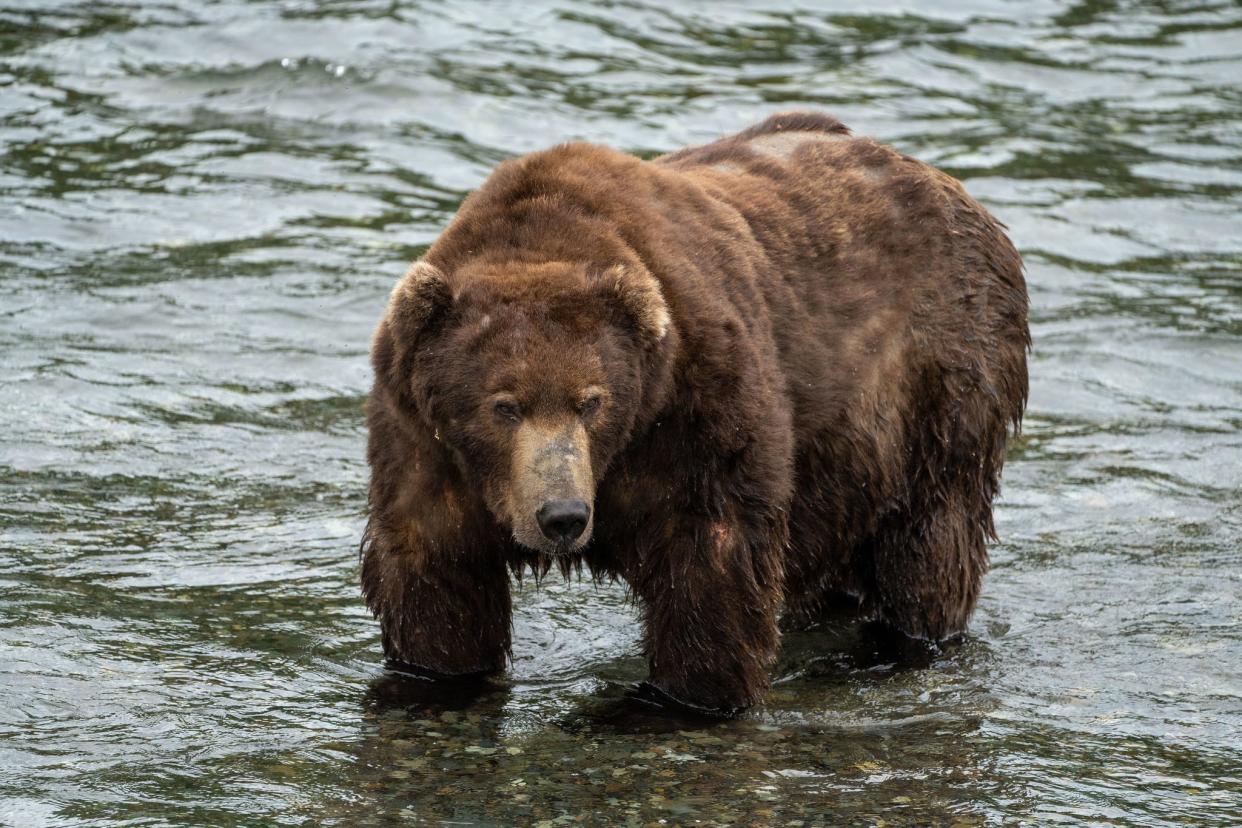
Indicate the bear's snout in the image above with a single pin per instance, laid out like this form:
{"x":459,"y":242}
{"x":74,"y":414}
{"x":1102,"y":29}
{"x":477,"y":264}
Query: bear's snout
{"x":551,"y":487}
{"x":562,"y":521}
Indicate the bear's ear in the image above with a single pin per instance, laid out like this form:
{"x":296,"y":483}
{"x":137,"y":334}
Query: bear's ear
{"x":637,"y":293}
{"x":418,"y":301}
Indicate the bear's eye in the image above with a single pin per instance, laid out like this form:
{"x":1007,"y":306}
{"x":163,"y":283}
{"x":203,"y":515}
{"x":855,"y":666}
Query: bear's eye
{"x":590,"y":404}
{"x":508,"y":410}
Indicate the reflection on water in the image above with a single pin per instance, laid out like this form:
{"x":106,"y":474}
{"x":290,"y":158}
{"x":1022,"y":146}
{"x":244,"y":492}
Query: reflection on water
{"x":204,"y":208}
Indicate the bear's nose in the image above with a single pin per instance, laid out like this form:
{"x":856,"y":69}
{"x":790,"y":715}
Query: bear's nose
{"x":563,"y":520}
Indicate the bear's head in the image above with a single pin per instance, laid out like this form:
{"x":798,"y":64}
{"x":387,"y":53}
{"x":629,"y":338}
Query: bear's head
{"x":531,"y":377}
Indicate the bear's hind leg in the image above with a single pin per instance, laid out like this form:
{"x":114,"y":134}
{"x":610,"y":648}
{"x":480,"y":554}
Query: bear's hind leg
{"x":927,"y":566}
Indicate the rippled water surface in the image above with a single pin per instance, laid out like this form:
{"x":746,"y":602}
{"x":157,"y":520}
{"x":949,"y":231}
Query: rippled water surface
{"x":202,"y":208}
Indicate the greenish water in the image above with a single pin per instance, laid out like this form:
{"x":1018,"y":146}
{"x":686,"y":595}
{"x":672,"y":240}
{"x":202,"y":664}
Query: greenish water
{"x":202,"y":208}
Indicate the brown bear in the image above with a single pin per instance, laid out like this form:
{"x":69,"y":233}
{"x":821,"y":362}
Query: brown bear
{"x":747,"y":378}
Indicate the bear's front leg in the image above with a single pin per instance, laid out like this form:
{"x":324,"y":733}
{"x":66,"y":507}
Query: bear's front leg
{"x":443,"y":607}
{"x":433,"y":561}
{"x":710,"y":594}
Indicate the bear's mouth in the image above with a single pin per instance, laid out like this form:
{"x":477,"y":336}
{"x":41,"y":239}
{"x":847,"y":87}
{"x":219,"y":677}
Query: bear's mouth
{"x":531,"y":539}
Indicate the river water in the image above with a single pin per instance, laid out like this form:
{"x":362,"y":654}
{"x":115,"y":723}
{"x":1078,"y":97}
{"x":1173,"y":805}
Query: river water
{"x":203,"y":206}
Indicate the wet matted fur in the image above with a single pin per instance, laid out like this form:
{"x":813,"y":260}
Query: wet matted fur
{"x":780,"y":367}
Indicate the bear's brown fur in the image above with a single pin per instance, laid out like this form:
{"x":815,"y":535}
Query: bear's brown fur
{"x":776,"y":368}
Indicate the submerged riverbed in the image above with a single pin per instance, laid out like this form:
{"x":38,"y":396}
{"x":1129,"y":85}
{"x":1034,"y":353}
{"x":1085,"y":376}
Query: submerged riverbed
{"x":202,"y":209}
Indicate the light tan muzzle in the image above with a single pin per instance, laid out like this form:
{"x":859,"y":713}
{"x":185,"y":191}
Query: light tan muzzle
{"x":552,"y":489}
